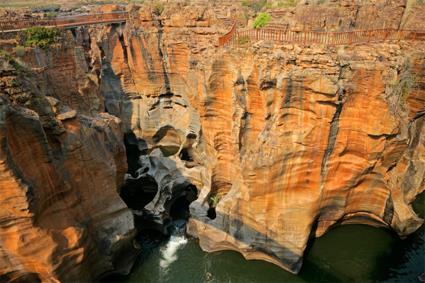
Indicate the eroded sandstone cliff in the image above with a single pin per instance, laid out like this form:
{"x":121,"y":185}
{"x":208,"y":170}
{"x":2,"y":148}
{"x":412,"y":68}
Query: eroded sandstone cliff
{"x":282,"y":142}
{"x":277,"y":143}
{"x":62,"y":162}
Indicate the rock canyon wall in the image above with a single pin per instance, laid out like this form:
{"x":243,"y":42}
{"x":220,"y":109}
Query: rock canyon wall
{"x":280,"y":143}
{"x":62,"y":162}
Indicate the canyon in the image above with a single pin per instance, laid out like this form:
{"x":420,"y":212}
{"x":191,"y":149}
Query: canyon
{"x":261,"y":146}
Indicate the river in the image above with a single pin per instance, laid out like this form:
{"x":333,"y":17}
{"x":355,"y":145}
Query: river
{"x":354,"y":253}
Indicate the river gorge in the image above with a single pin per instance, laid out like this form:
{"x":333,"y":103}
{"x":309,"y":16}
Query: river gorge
{"x":169,"y":141}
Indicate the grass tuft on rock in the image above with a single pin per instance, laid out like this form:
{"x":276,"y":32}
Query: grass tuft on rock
{"x":213,"y":200}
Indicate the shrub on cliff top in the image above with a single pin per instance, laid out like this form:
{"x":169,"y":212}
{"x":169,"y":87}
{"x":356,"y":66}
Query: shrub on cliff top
{"x":256,"y":5}
{"x":46,"y":8}
{"x":41,"y":37}
{"x":158,"y":8}
{"x":283,"y":4}
{"x":261,"y":20}
{"x":287,"y":3}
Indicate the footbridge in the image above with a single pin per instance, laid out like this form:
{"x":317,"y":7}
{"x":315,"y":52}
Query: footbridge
{"x":65,"y":21}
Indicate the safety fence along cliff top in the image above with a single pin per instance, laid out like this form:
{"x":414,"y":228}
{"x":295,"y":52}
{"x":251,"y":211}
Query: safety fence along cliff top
{"x":65,"y":22}
{"x":281,"y":35}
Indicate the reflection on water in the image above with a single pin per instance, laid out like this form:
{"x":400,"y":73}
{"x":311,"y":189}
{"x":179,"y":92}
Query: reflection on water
{"x":354,"y":253}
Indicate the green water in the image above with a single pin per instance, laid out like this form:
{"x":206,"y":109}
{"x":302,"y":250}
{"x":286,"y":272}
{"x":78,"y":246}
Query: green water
{"x":351,"y":253}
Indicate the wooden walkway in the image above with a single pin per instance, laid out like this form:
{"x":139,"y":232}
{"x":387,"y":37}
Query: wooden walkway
{"x":65,"y":22}
{"x":280,"y":35}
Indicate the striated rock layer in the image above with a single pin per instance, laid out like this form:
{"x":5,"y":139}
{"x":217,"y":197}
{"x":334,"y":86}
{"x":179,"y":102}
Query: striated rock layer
{"x":280,"y":143}
{"x":60,"y":169}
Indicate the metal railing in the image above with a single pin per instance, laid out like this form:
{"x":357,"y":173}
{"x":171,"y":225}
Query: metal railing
{"x":63,"y":22}
{"x":235,"y":36}
{"x":225,"y":39}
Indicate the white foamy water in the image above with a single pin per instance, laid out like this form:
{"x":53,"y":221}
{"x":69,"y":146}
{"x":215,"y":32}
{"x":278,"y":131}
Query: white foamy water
{"x":169,"y":252}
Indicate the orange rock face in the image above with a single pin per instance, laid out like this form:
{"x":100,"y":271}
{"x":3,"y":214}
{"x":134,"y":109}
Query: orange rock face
{"x":60,"y":170}
{"x":311,"y":154}
{"x":284,"y":142}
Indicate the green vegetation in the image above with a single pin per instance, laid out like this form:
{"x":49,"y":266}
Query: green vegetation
{"x":158,"y":8}
{"x":54,"y":5}
{"x":12,"y":61}
{"x":213,"y":200}
{"x":46,"y":8}
{"x":19,"y":50}
{"x":261,"y":20}
{"x":15,"y":83}
{"x":282,"y":4}
{"x":406,"y":82}
{"x":41,"y":37}
{"x":21,"y":4}
{"x":51,"y":15}
{"x":287,"y":3}
{"x":256,"y":5}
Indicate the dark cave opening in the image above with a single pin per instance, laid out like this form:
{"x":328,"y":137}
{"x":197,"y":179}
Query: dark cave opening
{"x":211,"y":214}
{"x":133,"y":153}
{"x":170,"y":221}
{"x":179,"y":209}
{"x":185,"y":155}
{"x":74,"y":33}
{"x":137,"y":193}
{"x":158,"y":222}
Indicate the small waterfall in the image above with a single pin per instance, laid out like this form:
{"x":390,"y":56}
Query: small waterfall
{"x":169,"y":252}
{"x":177,"y":241}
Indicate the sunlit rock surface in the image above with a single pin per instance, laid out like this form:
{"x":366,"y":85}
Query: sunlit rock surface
{"x":289,"y":140}
{"x":281,"y":142}
{"x":61,"y":214}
